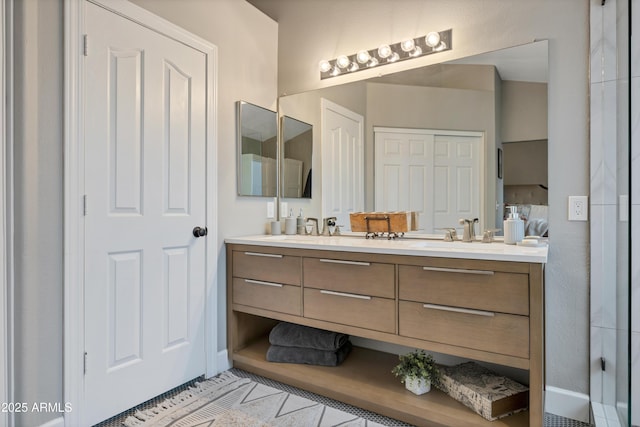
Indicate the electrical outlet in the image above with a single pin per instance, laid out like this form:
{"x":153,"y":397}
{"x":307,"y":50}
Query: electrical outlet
{"x":271,"y":210}
{"x":578,"y":208}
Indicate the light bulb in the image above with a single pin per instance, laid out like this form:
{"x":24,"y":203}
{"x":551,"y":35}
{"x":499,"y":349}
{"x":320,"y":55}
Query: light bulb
{"x":363,"y":57}
{"x":384,"y":51}
{"x":432,"y":39}
{"x":325,"y":66}
{"x":373,"y":62}
{"x":408,"y":45}
{"x":394,"y":57}
{"x":343,"y":61}
{"x":353,"y":67}
{"x":416,"y":52}
{"x":441,"y":46}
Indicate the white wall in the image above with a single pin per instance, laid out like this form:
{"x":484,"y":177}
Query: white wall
{"x":38,"y":202}
{"x":313,"y":30}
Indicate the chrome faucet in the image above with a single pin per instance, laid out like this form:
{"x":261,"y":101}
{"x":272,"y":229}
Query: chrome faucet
{"x":469,"y":234}
{"x":314,"y":229}
{"x":326,"y":223}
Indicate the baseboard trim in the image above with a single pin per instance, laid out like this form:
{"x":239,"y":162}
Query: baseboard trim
{"x":223,"y":361}
{"x":56,"y":422}
{"x":567,"y":403}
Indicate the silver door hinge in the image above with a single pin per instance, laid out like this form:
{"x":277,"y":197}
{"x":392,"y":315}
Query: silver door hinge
{"x":84,"y":205}
{"x":85,"y":45}
{"x":85,"y":363}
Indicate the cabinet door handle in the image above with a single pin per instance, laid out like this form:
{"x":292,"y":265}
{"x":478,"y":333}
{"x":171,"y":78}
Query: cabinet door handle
{"x":339,"y":261}
{"x":459,"y":270}
{"x":264,"y":255}
{"x":342,"y":294}
{"x":459,"y":310}
{"x":260,"y":282}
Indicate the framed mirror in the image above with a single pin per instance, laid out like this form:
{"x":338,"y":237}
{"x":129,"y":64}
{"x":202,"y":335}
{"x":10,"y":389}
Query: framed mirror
{"x":257,"y":142}
{"x":501,"y":94}
{"x":297,"y":152}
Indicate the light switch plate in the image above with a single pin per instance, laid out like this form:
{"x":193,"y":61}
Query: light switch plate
{"x":271,"y":210}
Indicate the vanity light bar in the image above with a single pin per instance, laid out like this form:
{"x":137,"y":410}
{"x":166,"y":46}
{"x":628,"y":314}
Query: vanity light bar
{"x":386,"y":54}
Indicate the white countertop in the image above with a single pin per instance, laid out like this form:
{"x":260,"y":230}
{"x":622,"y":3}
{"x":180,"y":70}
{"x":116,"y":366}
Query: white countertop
{"x":496,"y":251}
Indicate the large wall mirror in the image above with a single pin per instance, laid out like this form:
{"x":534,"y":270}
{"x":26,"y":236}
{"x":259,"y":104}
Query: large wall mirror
{"x":499,"y":97}
{"x":257,"y":142}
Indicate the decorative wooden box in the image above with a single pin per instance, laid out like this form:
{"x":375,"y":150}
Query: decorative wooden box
{"x":490,"y":395}
{"x":383,"y":222}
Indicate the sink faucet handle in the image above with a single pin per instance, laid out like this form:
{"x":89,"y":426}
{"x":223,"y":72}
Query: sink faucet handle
{"x":314,"y":226}
{"x":450,"y":234}
{"x":489,"y":234}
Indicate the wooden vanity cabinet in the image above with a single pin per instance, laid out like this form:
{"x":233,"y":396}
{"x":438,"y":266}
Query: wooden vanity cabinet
{"x":489,"y":311}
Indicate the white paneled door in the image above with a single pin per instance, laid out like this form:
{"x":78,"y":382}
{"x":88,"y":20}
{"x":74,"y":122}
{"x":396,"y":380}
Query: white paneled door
{"x":145,"y":175}
{"x":342,"y":162}
{"x":437,"y":173}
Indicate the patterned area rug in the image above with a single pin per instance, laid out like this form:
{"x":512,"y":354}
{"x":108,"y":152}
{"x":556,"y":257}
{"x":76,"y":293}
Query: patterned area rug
{"x":228,"y":400}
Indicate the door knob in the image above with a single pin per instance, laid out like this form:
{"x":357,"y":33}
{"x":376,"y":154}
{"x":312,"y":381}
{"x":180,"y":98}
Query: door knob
{"x":200,"y":231}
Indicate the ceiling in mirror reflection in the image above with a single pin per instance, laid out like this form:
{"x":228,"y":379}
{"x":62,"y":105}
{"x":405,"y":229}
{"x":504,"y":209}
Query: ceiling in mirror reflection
{"x":525,"y":63}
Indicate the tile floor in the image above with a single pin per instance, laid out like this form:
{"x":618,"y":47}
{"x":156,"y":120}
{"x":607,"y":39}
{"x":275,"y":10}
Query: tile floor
{"x":550,"y":420}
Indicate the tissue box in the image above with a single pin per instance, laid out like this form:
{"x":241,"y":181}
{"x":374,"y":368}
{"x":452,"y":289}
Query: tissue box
{"x":490,"y":395}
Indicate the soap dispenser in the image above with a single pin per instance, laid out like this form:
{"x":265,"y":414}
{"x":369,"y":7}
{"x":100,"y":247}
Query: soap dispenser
{"x":300,"y":224}
{"x":513,"y":227}
{"x":290,"y":223}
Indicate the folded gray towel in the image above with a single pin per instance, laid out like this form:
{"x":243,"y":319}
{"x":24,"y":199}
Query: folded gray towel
{"x":291,"y":335}
{"x":308,"y":356}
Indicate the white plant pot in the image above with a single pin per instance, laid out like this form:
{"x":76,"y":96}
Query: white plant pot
{"x":417,"y":385}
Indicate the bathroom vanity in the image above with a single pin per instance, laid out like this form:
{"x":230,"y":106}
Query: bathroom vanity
{"x":483,"y":302}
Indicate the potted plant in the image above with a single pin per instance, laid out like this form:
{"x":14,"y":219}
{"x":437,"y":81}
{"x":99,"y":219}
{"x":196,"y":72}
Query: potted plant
{"x":417,"y":370}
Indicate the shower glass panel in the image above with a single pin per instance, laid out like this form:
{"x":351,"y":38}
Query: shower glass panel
{"x":623,"y":235}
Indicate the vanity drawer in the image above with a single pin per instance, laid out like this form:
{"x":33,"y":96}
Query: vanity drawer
{"x":481,"y":330}
{"x":479,"y":289}
{"x":266,"y":295}
{"x":358,"y":277}
{"x":269,"y":267}
{"x":363,"y":311}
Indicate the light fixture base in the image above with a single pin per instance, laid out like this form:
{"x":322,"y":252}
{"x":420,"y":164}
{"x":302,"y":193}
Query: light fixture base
{"x":346,"y":64}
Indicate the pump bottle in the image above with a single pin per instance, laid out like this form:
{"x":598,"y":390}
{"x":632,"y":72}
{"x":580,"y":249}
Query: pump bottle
{"x":513,"y":227}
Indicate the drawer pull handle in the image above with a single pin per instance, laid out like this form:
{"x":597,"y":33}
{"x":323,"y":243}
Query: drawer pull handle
{"x":264,"y":255}
{"x":342,"y":294}
{"x":459,"y":270}
{"x":339,"y":261}
{"x":259,"y":282}
{"x":459,"y":310}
